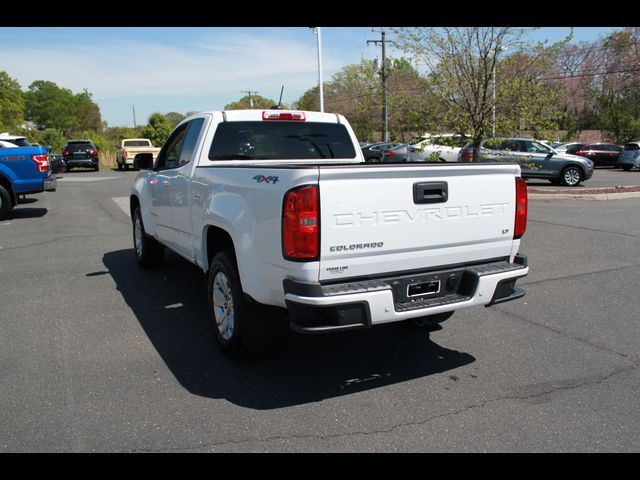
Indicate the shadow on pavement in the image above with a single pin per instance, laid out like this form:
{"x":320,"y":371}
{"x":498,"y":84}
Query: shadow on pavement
{"x":171,"y":305}
{"x":27,"y":212}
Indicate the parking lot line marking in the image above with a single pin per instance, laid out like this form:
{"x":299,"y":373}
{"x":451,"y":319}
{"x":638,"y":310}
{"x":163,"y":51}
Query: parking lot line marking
{"x":123,"y":203}
{"x":84,"y":179}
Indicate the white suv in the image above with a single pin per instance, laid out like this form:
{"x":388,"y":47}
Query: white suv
{"x":447,"y":146}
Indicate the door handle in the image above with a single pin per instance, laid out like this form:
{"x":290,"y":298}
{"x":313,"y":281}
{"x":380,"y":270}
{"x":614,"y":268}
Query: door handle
{"x":165,"y":183}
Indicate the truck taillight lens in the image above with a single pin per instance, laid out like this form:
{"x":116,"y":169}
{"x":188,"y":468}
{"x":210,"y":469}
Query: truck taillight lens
{"x":301,"y":224}
{"x":42,"y":163}
{"x":522,"y":205}
{"x":65,"y":152}
{"x":93,"y":152}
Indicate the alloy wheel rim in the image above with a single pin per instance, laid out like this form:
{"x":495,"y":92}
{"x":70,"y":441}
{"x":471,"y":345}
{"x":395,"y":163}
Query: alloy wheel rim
{"x":572,"y":177}
{"x":223,"y":309}
{"x":137,"y":236}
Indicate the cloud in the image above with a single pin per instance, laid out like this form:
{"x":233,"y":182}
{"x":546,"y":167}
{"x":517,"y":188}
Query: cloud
{"x":221,"y":62}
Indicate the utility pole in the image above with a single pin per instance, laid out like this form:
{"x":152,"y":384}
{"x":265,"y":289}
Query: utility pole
{"x":318,"y":33}
{"x":250,"y":98}
{"x":134,"y":116}
{"x":383,"y":75}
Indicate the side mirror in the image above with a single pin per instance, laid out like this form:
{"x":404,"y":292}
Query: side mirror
{"x":143,"y":161}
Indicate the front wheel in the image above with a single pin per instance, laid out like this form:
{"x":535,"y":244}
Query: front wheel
{"x":571,"y":176}
{"x":149,"y":253}
{"x":242,"y":328}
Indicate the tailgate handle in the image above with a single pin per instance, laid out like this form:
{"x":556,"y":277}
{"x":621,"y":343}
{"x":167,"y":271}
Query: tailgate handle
{"x":430,"y":192}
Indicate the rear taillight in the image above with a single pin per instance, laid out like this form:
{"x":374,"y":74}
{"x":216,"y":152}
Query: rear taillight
{"x":388,"y":153}
{"x":301,"y":224}
{"x":581,"y":152}
{"x":42,"y":162}
{"x":297,"y":116}
{"x":467,"y":155}
{"x":65,"y":152}
{"x":93,"y":152}
{"x":521,"y":208}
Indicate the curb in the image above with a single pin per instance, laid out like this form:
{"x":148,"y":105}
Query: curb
{"x":585,"y":196}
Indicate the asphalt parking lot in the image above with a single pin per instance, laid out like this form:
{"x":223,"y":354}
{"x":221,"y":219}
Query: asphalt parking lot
{"x":98,"y":355}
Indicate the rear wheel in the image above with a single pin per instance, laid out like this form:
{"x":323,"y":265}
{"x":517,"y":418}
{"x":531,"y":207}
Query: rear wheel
{"x":571,"y":176}
{"x":5,"y":202}
{"x":243,"y":329}
{"x":626,"y":168}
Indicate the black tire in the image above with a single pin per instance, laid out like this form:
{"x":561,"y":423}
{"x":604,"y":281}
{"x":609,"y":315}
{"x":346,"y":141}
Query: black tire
{"x":96,"y":168}
{"x":148,"y":252}
{"x":431,"y":320}
{"x":242,"y":328}
{"x":626,"y":168}
{"x":571,"y":176}
{"x":374,"y":160}
{"x":126,"y":166}
{"x":119,"y":166}
{"x":5,"y":202}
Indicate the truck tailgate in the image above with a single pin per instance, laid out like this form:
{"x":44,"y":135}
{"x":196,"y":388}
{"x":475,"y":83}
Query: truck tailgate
{"x":378,"y":219}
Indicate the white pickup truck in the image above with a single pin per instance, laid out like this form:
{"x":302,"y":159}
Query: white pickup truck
{"x":281,"y":212}
{"x":130,"y":147}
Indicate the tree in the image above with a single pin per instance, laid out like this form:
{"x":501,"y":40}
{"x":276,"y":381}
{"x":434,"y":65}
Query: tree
{"x":158,"y":129}
{"x":87,"y":113}
{"x":175,"y":118}
{"x":461,"y":64}
{"x":11,"y":103}
{"x":258,"y":102}
{"x":51,"y":106}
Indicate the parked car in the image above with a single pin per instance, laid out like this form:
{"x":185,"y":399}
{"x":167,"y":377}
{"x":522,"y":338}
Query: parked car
{"x":396,"y":154}
{"x":23,"y":171}
{"x":374,"y":152}
{"x":563,"y":146}
{"x":130,"y":147}
{"x":445,"y":145}
{"x":536,"y":160}
{"x":57,"y":163}
{"x":80,"y":153}
{"x":630,"y":157}
{"x":15,"y":139}
{"x":602,"y":154}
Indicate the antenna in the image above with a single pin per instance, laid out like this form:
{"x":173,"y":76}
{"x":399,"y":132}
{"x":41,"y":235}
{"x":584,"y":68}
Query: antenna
{"x":280,"y":101}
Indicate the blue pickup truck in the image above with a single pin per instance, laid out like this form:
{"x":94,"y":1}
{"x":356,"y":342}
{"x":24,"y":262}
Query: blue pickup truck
{"x":23,"y":170}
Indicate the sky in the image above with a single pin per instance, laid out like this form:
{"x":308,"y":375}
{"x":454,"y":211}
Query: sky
{"x":184,"y":69}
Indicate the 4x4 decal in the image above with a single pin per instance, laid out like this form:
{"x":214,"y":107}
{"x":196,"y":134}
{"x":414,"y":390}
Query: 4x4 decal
{"x":263,"y":179}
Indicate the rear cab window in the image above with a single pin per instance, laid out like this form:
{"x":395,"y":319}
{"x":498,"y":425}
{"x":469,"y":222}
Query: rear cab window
{"x":281,"y":140}
{"x":631,"y":146}
{"x":76,"y":146}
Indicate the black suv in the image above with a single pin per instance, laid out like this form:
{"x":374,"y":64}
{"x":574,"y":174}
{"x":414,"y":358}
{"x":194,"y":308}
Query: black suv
{"x":80,"y":153}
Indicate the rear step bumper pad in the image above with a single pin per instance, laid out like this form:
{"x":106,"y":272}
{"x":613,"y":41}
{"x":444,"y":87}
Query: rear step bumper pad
{"x":316,"y":308}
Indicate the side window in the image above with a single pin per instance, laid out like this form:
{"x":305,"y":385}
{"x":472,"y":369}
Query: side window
{"x":190,"y":140}
{"x":169,"y":156}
